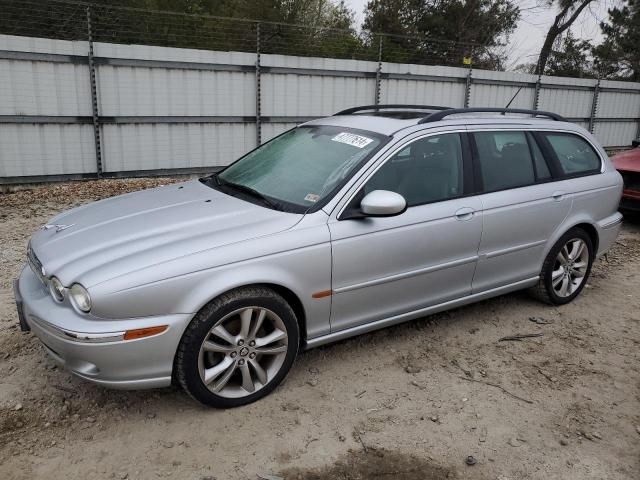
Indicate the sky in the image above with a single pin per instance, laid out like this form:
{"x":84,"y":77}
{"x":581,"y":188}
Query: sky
{"x":525,"y":43}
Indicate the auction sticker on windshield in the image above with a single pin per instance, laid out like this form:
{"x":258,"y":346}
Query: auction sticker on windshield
{"x":352,"y":139}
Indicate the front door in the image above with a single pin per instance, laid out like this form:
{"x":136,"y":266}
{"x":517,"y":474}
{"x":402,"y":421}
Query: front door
{"x":427,"y":255}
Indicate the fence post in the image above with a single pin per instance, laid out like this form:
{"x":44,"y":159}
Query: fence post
{"x":467,"y":93}
{"x":536,"y":97}
{"x":94,"y":97}
{"x":594,"y":106}
{"x":258,"y":88}
{"x":638,"y":130}
{"x":379,"y":71}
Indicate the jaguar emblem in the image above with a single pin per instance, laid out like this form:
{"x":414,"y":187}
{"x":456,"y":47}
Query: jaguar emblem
{"x":57,"y":226}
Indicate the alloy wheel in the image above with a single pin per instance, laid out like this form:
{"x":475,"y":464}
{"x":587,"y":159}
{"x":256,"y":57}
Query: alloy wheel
{"x":570,"y":267}
{"x":243,"y":352}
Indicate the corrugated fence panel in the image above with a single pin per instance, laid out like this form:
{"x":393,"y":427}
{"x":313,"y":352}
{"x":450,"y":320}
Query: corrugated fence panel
{"x":431,"y":85}
{"x":162,"y":146}
{"x":27,"y":149}
{"x":141,"y":90}
{"x":615,"y":134}
{"x":153,"y":91}
{"x":49,"y":79}
{"x":307,"y":94}
{"x":506,"y":86}
{"x":483,"y":95}
{"x":618,"y":104}
{"x":569,"y":103}
{"x":29,"y":87}
{"x":573,"y":102}
{"x":44,"y":88}
{"x":43,"y":45}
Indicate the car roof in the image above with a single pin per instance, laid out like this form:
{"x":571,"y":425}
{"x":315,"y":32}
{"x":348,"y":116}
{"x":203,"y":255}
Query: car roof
{"x":389,"y":125}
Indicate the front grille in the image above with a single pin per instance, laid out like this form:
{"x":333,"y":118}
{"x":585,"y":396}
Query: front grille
{"x":36,"y":265}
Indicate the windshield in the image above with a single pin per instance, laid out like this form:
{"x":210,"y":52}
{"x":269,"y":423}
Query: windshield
{"x":302,"y":167}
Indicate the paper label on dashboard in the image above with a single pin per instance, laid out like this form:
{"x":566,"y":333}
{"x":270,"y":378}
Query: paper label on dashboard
{"x":352,"y":139}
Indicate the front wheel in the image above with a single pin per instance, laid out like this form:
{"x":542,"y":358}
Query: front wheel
{"x":238,"y":348}
{"x":566,"y":269}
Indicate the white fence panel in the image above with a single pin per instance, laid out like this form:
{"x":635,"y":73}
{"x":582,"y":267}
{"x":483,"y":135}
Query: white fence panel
{"x":171,"y":91}
{"x":500,"y":95}
{"x":28,"y":150}
{"x":303,"y":87}
{"x":619,"y":104}
{"x":44,"y":88}
{"x":423,"y":85}
{"x":183,"y":109}
{"x":174,"y":92}
{"x":497,"y":89}
{"x":616,"y":133}
{"x":174,"y":146}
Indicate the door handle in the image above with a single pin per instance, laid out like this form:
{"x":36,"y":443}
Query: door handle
{"x":557,"y":196}
{"x":464,"y":213}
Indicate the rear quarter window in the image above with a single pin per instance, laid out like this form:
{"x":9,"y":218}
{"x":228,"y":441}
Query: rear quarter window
{"x":575,"y":155}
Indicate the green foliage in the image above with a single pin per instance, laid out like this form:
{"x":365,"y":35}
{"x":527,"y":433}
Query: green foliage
{"x":570,"y":58}
{"x":464,"y":28}
{"x":619,"y":54}
{"x":294,"y":27}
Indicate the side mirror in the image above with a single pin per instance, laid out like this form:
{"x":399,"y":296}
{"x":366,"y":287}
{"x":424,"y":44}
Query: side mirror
{"x":635,"y":143}
{"x":382,"y":203}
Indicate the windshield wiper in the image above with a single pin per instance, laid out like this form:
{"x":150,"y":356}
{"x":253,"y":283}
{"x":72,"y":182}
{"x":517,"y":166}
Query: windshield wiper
{"x":247,"y":190}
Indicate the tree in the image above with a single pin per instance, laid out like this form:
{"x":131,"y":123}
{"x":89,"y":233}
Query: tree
{"x":569,"y":12}
{"x":297,"y":27}
{"x":570,"y":58}
{"x":444,"y":31}
{"x":619,"y":54}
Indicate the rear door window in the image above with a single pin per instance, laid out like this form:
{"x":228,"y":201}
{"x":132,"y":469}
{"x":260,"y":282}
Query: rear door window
{"x":505,"y":160}
{"x":575,"y":155}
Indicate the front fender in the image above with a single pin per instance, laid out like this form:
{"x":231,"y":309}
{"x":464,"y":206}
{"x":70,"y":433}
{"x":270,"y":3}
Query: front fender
{"x":299,"y":260}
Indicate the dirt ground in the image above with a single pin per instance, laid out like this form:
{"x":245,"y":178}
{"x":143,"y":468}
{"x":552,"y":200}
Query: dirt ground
{"x":409,"y":402}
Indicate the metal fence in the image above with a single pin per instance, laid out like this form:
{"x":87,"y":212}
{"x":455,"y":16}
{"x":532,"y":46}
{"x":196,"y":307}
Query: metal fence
{"x":77,"y":105}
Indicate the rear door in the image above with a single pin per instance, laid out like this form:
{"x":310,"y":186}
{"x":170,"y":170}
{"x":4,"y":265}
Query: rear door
{"x":521,"y":202}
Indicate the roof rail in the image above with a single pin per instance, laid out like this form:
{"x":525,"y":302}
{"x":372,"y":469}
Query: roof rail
{"x":352,"y":110}
{"x":434,"y":117}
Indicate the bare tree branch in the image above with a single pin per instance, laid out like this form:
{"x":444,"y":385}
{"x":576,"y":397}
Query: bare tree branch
{"x":557,"y":28}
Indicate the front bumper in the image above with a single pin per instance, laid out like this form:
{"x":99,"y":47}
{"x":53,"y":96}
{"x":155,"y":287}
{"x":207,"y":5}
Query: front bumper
{"x":92,"y":348}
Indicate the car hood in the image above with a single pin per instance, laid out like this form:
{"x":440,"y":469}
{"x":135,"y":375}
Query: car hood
{"x":628,"y":161}
{"x":118,"y":235}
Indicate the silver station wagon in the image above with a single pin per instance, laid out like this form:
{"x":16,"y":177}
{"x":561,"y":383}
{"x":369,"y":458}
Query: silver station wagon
{"x":342,"y":225}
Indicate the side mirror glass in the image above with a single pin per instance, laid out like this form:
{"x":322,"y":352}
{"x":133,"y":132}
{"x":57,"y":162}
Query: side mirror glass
{"x":382,"y":203}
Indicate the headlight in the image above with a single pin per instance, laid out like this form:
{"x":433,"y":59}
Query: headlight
{"x":80,"y":297}
{"x":57,"y":289}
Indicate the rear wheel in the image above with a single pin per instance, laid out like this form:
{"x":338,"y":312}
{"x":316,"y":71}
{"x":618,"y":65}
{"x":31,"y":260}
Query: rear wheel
{"x":238,"y":348}
{"x":566,"y":268}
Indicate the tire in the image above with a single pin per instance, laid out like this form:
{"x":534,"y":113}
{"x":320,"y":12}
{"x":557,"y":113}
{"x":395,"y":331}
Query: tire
{"x":550,"y":285}
{"x":254,"y":345}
